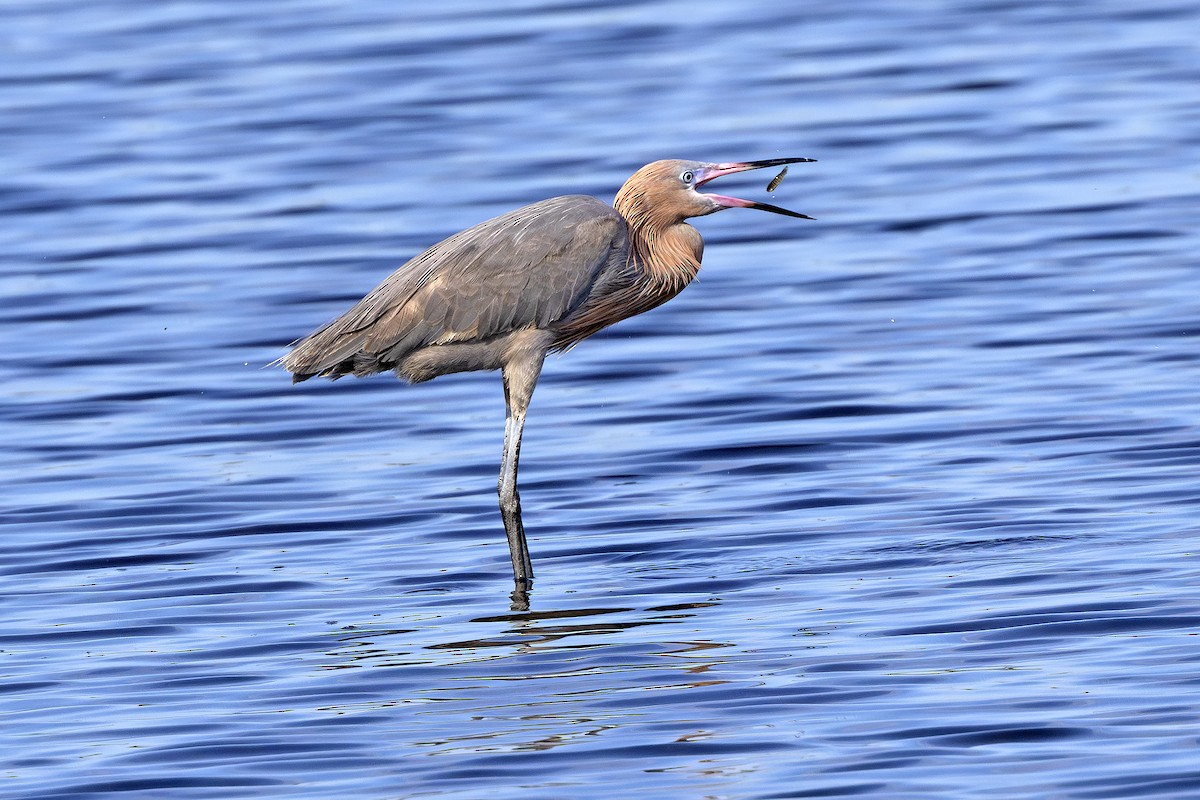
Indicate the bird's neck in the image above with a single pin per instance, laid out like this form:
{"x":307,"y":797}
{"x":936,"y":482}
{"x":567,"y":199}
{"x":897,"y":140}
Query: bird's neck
{"x":669,"y":256}
{"x":662,"y":261}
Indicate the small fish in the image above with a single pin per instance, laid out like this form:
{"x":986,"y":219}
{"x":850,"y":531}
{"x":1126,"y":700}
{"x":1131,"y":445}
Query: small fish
{"x":778,"y":179}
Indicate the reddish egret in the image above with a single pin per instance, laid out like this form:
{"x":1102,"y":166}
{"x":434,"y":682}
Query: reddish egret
{"x":502,"y":294}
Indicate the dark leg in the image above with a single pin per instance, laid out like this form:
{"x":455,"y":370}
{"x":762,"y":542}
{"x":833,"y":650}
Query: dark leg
{"x":510,"y":498}
{"x":519,"y":379}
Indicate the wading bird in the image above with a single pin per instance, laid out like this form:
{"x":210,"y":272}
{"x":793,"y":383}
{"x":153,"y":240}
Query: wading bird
{"x":502,"y":294}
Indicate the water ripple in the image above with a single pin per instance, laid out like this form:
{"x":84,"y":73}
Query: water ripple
{"x":899,"y":503}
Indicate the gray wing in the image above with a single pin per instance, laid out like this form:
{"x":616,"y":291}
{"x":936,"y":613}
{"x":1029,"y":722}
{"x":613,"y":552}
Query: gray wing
{"x":528,"y":268}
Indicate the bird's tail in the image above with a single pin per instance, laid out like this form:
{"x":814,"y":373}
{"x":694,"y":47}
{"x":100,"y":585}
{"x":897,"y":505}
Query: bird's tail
{"x":328,"y":352}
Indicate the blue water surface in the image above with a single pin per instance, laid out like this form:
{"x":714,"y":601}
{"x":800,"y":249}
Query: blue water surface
{"x":900,"y":503}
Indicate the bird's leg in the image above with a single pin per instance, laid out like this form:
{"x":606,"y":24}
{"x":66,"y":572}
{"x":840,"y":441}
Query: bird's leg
{"x":520,"y":376}
{"x":510,"y":498}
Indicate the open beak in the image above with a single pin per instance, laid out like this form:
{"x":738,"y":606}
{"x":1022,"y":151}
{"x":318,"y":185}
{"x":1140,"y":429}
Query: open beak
{"x":717,"y":170}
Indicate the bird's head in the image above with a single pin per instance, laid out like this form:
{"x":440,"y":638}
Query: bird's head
{"x":665,"y":193}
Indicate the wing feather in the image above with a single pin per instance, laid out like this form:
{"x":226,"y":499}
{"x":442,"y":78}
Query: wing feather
{"x":528,"y":268}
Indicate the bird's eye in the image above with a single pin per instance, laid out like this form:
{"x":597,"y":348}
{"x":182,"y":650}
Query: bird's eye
{"x":687,"y":177}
